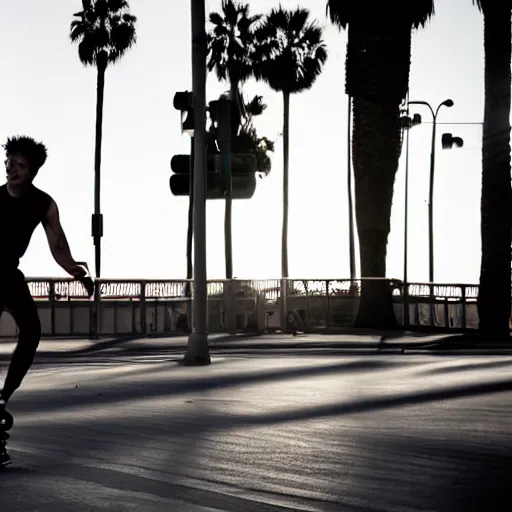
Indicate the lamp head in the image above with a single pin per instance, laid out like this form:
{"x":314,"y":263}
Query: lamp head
{"x":448,"y":103}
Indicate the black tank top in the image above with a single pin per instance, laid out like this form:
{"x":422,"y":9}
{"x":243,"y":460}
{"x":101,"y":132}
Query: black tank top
{"x":19,"y":217}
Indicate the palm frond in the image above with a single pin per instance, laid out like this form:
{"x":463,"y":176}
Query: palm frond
{"x":114,"y":6}
{"x":255,"y":107}
{"x":216,"y":19}
{"x":87,"y":50}
{"x":122,"y":38}
{"x":78,"y":29}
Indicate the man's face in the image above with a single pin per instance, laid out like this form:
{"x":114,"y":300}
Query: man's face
{"x":17,"y":169}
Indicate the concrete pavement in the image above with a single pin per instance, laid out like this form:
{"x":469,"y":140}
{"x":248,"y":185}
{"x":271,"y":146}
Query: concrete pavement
{"x":123,"y":429}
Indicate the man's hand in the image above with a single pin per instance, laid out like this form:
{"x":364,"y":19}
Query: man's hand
{"x":80,"y":272}
{"x":77,"y":270}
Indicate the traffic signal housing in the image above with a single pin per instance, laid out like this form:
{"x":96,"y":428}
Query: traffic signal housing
{"x":243,"y":176}
{"x":183,"y":101}
{"x":448,"y":141}
{"x":224,"y":170}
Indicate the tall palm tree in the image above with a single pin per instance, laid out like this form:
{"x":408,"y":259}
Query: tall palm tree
{"x":291,"y":57}
{"x":496,"y":200}
{"x":377,"y":78}
{"x":230,"y":49}
{"x":104,"y":31}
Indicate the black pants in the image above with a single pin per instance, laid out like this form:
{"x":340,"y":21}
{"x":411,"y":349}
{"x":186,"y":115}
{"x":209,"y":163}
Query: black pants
{"x":16,"y":298}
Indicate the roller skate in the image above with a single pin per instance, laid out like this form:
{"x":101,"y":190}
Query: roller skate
{"x":6,"y":423}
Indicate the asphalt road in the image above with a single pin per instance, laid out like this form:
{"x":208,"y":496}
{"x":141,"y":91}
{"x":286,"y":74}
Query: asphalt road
{"x":261,"y":431}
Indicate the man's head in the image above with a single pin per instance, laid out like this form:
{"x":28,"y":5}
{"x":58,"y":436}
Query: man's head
{"x":24,"y":158}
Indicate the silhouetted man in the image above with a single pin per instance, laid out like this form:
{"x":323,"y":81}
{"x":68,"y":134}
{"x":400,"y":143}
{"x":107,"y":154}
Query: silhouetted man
{"x":22,"y":208}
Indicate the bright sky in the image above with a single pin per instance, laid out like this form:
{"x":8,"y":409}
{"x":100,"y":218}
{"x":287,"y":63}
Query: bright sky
{"x":45,"y":92}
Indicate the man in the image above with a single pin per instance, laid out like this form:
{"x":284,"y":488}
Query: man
{"x":22,"y":208}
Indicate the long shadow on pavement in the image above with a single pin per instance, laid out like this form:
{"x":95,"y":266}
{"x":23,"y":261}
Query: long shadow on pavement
{"x":405,"y":469}
{"x":478,"y":365}
{"x":181,"y":385}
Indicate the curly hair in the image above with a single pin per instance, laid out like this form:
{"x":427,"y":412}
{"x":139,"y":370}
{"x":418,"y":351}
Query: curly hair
{"x":34,"y":152}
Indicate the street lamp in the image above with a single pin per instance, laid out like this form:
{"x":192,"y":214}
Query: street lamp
{"x":445,"y":103}
{"x":407,"y":123}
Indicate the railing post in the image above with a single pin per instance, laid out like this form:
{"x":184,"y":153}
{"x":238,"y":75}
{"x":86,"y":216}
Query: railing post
{"x":51,"y":293}
{"x":230,"y":307}
{"x":188,"y":296}
{"x":96,"y":311}
{"x":406,"y":305}
{"x":463,"y":306}
{"x":283,"y":296}
{"x":328,"y":320}
{"x":432,"y":306}
{"x":306,"y":314}
{"x":134,"y":323}
{"x":142,"y":303}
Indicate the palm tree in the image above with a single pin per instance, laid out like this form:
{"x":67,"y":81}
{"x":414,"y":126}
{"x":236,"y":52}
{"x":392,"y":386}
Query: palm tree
{"x":231,"y":44}
{"x":230,"y":48}
{"x":290,"y":57}
{"x":496,"y":200}
{"x":377,"y":78}
{"x":104,"y":31}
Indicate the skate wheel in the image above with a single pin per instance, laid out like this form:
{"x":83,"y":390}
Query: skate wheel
{"x":7,"y":421}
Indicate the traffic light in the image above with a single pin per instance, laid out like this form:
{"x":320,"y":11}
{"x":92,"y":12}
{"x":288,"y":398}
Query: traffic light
{"x":224,"y":170}
{"x":448,"y":141}
{"x":183,"y":101}
{"x":243,"y":176}
{"x":224,"y":113}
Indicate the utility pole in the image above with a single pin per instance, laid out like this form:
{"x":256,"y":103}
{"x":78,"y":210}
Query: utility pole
{"x":197,"y":347}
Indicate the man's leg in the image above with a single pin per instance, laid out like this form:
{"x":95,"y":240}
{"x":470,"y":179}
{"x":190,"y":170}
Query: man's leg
{"x":22,"y":307}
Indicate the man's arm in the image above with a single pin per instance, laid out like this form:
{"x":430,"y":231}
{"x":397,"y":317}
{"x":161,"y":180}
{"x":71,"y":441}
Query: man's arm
{"x":58,"y":243}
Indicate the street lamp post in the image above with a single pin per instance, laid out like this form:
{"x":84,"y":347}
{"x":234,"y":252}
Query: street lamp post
{"x":351,"y":237}
{"x":446,"y":103}
{"x":408,"y":123}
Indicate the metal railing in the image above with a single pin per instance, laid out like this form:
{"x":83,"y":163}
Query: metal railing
{"x":164,"y":306}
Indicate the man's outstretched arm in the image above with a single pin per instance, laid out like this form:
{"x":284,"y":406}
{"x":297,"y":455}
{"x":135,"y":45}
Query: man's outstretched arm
{"x":58,"y":243}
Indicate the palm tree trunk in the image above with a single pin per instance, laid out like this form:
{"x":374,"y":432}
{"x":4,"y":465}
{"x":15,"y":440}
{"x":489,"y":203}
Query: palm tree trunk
{"x":284,"y":235}
{"x":375,"y":150}
{"x":286,"y":142}
{"x":228,"y":244}
{"x":496,"y":200}
{"x":98,"y":230}
{"x":236,"y":97}
{"x":226,"y":154}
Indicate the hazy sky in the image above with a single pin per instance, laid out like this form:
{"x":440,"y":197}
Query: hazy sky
{"x":45,"y":92}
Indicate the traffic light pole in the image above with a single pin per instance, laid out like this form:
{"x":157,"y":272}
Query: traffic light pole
{"x":197,"y":347}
